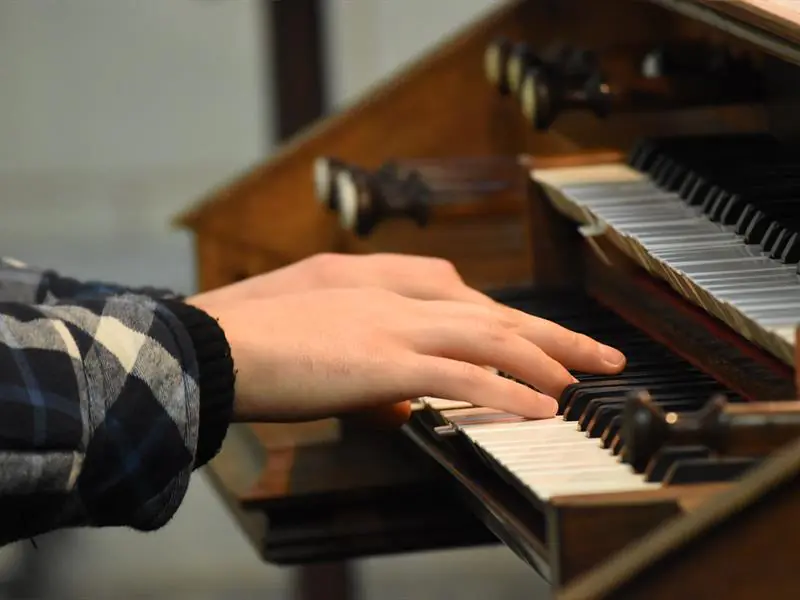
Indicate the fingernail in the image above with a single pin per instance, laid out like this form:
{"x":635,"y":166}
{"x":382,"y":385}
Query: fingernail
{"x":611,"y":356}
{"x":551,"y":404}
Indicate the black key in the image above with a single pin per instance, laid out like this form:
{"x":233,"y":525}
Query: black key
{"x":689,"y":183}
{"x":708,"y":470}
{"x":745,"y":219}
{"x":771,"y":236}
{"x":679,"y":402}
{"x":771,"y":210}
{"x":791,"y":253}
{"x":780,"y":244}
{"x":698,"y":193}
{"x":574,"y":402}
{"x":736,"y":204}
{"x":602,"y":419}
{"x":756,"y":228}
{"x":642,"y":154}
{"x":611,"y":431}
{"x":714,"y":197}
{"x":607,"y":412}
{"x":646,"y":368}
{"x":663,"y":383}
{"x":596,"y":405}
{"x":617,"y":445}
{"x":718,"y":206}
{"x":667,"y":168}
{"x":656,"y":165}
{"x":661,"y":462}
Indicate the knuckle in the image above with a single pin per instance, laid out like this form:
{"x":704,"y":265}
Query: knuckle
{"x":468,"y":374}
{"x":444,"y":267}
{"x":325,"y":260}
{"x":573,"y":341}
{"x":496,"y":319}
{"x":327,"y":267}
{"x":379,"y":298}
{"x":495,"y":331}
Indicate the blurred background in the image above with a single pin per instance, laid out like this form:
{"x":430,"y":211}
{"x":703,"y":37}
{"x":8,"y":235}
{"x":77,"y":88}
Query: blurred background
{"x":115,"y":115}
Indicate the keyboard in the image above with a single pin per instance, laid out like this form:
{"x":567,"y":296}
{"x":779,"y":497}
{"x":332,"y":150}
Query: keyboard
{"x":581,"y":450}
{"x":717,"y":217}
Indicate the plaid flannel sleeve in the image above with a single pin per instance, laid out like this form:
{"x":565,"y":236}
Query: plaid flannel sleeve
{"x":107,"y":404}
{"x":23,"y":283}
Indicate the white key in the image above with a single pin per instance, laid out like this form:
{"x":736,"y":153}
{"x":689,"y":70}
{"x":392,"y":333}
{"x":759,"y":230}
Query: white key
{"x":443,"y":404}
{"x":553,"y":456}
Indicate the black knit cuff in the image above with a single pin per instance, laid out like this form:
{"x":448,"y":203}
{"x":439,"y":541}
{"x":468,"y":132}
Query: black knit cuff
{"x":217,"y":377}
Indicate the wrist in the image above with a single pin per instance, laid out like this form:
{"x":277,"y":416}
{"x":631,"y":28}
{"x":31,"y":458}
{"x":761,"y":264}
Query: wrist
{"x":216,"y":376}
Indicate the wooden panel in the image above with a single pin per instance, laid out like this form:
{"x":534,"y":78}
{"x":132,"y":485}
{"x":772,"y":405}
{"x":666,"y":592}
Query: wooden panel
{"x":222,"y":261}
{"x":586,"y":530}
{"x":531,"y":244}
{"x":623,"y":130}
{"x":440,"y":106}
{"x":743,"y":545}
{"x":489,"y":252}
{"x":306,"y":493}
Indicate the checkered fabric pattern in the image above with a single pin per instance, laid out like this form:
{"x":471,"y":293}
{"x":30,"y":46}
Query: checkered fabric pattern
{"x":99,"y":404}
{"x":22,"y":283}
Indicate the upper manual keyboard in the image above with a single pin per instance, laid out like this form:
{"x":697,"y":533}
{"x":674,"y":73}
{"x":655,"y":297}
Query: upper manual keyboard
{"x":718,"y":217}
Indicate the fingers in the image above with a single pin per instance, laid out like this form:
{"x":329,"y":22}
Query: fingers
{"x":455,"y":380}
{"x":568,"y":348}
{"x":487,"y":342}
{"x":571,"y":349}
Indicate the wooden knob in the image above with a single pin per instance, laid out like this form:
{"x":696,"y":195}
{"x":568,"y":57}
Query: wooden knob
{"x":326,"y":170}
{"x":535,"y":99}
{"x":521,"y":58}
{"x":350,"y":189}
{"x":365,"y":200}
{"x":495,"y":63}
{"x":546,"y":92}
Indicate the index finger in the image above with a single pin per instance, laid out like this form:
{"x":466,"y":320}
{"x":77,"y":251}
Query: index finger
{"x":572,"y":349}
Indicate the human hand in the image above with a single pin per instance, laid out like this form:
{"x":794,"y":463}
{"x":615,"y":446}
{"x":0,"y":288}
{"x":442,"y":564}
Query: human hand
{"x":331,"y":352}
{"x":419,"y":277}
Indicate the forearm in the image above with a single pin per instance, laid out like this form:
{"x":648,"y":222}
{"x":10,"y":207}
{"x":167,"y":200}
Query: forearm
{"x":106,"y":407}
{"x":30,"y":285}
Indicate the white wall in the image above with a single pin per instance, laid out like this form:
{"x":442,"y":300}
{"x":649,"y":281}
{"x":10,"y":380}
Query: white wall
{"x":143,"y":84}
{"x":368,"y":39}
{"x":116,"y":114}
{"x":129,"y":84}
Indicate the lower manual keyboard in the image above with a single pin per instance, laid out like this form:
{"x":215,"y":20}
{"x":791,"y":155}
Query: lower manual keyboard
{"x":579,"y":451}
{"x":551,"y":457}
